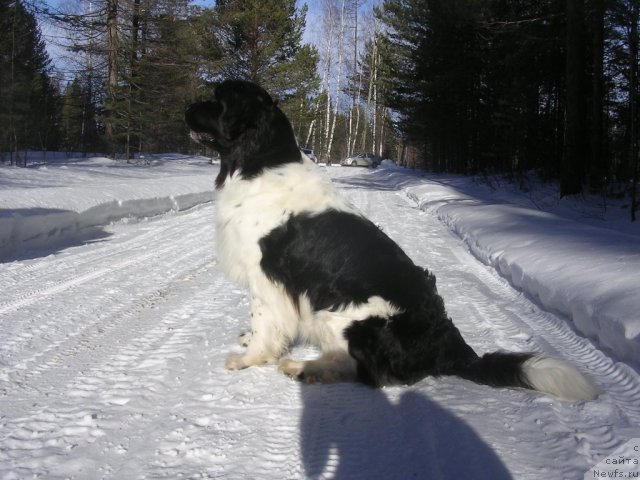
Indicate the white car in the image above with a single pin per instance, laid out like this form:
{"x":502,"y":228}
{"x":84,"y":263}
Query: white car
{"x":361,"y":160}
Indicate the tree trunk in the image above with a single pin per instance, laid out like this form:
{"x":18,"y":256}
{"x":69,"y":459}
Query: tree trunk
{"x":329,"y":55}
{"x":133,"y":74}
{"x":598,"y":170}
{"x":633,"y":109}
{"x":112,"y":65}
{"x":363,"y":145}
{"x":571,"y":171}
{"x":374,"y":73}
{"x":352,"y":146}
{"x":355,"y":93}
{"x":13,"y":138}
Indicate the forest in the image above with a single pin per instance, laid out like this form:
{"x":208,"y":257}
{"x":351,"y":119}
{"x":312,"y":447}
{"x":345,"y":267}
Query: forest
{"x":466,"y":86}
{"x":134,"y":66}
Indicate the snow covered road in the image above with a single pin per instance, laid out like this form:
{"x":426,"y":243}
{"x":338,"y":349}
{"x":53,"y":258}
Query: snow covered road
{"x":112,"y":366}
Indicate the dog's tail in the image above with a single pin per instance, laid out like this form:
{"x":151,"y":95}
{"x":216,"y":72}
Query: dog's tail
{"x":536,"y":372}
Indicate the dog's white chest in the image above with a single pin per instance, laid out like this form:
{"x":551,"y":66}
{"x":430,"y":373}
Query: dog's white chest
{"x":248,"y":210}
{"x":241,"y":223}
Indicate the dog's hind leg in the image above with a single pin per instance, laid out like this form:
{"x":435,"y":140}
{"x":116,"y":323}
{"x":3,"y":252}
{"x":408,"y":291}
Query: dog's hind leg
{"x":331,"y":367}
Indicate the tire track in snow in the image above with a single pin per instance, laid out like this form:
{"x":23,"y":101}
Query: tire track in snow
{"x":132,"y":370}
{"x":557,"y":338}
{"x":123,"y":294}
{"x":39,"y":294}
{"x":111,"y":256}
{"x":491,"y":314}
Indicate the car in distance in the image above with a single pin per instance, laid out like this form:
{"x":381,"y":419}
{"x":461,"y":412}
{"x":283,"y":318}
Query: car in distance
{"x":361,"y":160}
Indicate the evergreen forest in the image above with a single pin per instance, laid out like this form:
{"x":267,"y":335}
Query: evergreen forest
{"x":465,"y":86}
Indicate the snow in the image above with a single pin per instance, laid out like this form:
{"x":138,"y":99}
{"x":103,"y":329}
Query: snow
{"x":56,"y":202}
{"x":116,"y":319}
{"x":588,"y":273}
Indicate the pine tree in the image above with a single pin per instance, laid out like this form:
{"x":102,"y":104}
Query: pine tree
{"x":432,"y":50}
{"x":28,"y":101}
{"x":478,"y":85}
{"x":156,"y":76}
{"x":167,"y":77}
{"x":78,"y":119}
{"x":261,"y":41}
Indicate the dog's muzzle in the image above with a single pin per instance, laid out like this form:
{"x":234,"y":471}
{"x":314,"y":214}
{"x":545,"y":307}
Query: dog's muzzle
{"x":202,"y":137}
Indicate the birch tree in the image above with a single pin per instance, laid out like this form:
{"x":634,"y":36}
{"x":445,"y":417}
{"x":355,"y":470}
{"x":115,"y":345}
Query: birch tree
{"x":338,"y":79}
{"x":339,"y":19}
{"x":355,"y":89}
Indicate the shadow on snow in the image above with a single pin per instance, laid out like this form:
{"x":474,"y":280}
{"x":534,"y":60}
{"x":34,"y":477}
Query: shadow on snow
{"x":350,"y":431}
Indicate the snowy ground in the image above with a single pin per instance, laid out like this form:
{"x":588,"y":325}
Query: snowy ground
{"x":115,"y":321}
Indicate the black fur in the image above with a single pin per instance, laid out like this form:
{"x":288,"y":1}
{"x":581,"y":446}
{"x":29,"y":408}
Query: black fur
{"x":246,"y":127}
{"x":338,"y":258}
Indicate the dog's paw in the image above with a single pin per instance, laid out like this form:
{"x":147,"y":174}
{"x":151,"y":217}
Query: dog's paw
{"x":244,"y":339}
{"x":235,"y":362}
{"x":312,"y":372}
{"x":239,"y":362}
{"x":297,"y":371}
{"x":291,"y":368}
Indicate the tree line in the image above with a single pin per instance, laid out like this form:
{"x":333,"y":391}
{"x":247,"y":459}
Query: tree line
{"x":516,"y":85}
{"x":134,"y":65}
{"x":450,"y":85}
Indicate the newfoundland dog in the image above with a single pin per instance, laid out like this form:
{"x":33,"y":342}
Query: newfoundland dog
{"x":318,"y":271}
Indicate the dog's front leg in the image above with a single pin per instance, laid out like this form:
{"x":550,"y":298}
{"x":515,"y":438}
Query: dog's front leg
{"x":273,"y":327}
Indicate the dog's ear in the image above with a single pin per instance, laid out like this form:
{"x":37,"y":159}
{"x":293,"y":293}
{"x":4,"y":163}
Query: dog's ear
{"x":267,"y":101}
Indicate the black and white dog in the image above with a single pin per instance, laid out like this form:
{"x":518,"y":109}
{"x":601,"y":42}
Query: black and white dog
{"x":319,"y":271}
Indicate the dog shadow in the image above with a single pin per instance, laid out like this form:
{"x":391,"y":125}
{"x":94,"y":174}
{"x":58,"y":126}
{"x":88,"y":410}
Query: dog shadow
{"x":349,"y":431}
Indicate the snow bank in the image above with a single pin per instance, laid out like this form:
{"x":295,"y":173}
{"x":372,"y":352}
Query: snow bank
{"x":55,"y":203}
{"x":590,"y":274}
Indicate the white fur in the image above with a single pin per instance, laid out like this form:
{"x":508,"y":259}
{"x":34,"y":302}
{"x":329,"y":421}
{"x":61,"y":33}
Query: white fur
{"x":325,"y":329}
{"x":276,"y":323}
{"x":248,"y":210}
{"x":553,"y":376}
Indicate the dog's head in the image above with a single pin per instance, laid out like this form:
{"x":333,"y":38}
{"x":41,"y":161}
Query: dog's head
{"x":246,"y":127}
{"x":237,"y":107}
